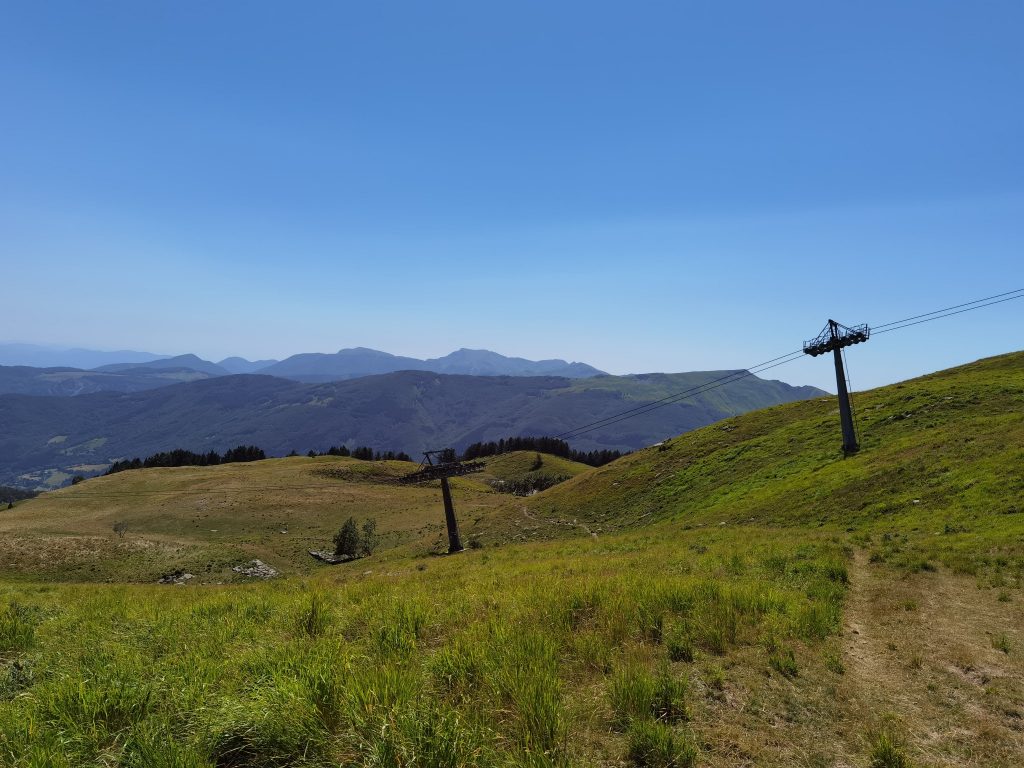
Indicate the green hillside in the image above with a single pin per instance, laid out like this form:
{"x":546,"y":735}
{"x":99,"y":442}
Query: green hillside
{"x":741,"y":595}
{"x":940,"y":474}
{"x":739,"y":396}
{"x":519,"y":465}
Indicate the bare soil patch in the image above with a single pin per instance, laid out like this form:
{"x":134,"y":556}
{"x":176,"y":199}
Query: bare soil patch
{"x":937,"y":661}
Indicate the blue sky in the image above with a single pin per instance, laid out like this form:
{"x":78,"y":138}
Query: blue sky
{"x":643,"y":186}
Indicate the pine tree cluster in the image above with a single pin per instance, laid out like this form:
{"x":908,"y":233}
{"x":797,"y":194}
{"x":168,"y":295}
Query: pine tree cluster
{"x":550,"y":445}
{"x":363,"y":452}
{"x":180,"y":457}
{"x":11,"y":494}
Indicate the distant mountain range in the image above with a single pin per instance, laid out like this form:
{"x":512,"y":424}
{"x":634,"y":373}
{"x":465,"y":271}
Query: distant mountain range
{"x":241,"y":365}
{"x":190,"y":362}
{"x":355,"y":363}
{"x":45,"y":440}
{"x":53,"y":357}
{"x":67,"y":382}
{"x":133,"y":374}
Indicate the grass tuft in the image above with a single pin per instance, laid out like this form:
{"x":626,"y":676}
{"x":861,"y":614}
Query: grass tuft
{"x":17,"y":628}
{"x":1001,"y":642}
{"x":886,"y":753}
{"x":636,"y":694}
{"x":316,"y":618}
{"x":655,"y":745}
{"x":783,"y":661}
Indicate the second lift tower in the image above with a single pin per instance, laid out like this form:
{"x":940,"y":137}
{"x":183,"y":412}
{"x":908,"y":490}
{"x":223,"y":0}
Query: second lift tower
{"x":447,"y":465}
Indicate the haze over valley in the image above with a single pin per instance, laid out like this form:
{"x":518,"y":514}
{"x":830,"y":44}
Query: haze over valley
{"x":62,"y":423}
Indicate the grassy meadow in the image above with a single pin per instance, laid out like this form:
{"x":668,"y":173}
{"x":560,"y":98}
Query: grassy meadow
{"x":738,"y":596}
{"x":576,"y":652}
{"x":206,"y":519}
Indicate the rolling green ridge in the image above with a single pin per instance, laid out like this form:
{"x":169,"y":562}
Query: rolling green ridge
{"x":942,"y":462}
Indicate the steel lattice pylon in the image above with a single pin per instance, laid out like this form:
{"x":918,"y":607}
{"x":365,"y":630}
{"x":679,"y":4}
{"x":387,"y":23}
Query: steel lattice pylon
{"x":834,"y":338}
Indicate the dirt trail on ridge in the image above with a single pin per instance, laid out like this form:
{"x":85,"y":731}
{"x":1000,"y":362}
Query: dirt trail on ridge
{"x":938,"y":662}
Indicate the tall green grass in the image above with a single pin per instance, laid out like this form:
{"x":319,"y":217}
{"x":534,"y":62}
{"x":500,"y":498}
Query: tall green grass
{"x":477,"y":660}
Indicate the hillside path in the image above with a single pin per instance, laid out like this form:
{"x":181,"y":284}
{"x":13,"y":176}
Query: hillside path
{"x":922,"y":661}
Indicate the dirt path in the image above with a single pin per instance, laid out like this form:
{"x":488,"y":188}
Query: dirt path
{"x":926,"y":659}
{"x":556,"y":521}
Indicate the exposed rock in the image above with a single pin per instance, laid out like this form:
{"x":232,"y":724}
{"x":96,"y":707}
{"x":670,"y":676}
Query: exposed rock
{"x":329,"y":557}
{"x":176,"y":577}
{"x":256,"y":569}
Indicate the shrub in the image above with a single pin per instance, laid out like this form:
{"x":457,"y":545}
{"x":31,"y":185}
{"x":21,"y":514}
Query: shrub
{"x":15,"y":677}
{"x":350,"y":542}
{"x":346,"y":540}
{"x":370,"y":538}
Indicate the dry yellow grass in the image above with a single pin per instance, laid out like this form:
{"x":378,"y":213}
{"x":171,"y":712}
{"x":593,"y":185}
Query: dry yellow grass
{"x":204,"y":519}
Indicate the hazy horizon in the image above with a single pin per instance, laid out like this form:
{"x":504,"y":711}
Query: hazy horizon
{"x":669,"y":187}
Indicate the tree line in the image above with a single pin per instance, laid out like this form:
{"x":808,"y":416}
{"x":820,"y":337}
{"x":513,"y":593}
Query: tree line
{"x":180,"y":457}
{"x":551,"y":445}
{"x":363,"y":452}
{"x":10,"y":494}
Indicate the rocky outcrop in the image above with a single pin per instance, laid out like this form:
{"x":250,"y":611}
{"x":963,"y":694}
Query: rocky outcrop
{"x":256,"y":569}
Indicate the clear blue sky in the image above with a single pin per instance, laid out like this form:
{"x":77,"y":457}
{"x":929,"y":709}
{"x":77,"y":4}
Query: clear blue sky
{"x":643,"y":186}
